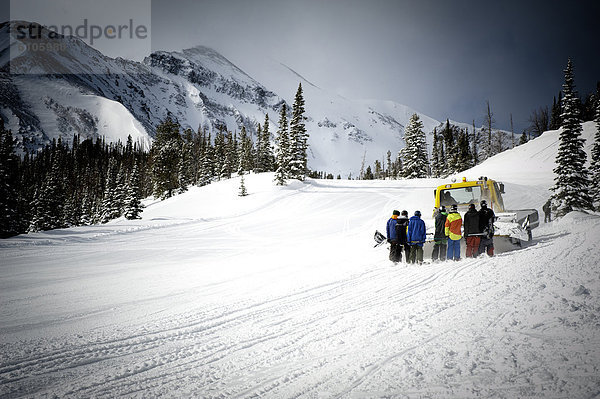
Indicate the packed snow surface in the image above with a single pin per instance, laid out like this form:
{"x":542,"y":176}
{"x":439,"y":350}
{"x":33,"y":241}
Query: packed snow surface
{"x":281,"y":294}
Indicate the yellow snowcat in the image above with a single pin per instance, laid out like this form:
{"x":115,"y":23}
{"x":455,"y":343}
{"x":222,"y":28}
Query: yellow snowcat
{"x":512,"y":227}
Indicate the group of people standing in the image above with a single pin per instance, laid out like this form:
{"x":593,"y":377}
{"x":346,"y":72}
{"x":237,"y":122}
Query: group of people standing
{"x":409,"y":235}
{"x":406,"y":235}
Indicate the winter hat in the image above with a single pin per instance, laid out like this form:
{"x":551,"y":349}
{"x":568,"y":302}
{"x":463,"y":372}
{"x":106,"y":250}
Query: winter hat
{"x":471,"y":206}
{"x":453,"y":208}
{"x":442,"y":208}
{"x":397,"y":213}
{"x":483,"y":203}
{"x":418,"y":213}
{"x":404,"y":213}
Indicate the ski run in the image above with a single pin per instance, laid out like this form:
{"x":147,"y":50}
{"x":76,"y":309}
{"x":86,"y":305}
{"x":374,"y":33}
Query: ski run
{"x":281,"y":294}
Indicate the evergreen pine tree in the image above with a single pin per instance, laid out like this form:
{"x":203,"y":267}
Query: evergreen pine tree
{"x":110,"y":207}
{"x":49,"y":200}
{"x":595,"y":163}
{"x":488,"y":148}
{"x":133,"y":204}
{"x":259,"y":164}
{"x":399,"y":165}
{"x":475,"y":149}
{"x":298,"y":139}
{"x":206,"y":164}
{"x":166,"y":155}
{"x":555,"y":121}
{"x":451,"y":158}
{"x":269,"y":157}
{"x":243,"y":191}
{"x":219,"y":154}
{"x":465,"y":158}
{"x":9,"y":223}
{"x":185,"y":168}
{"x":435,"y":155}
{"x":416,"y":162}
{"x":88,"y":207}
{"x":264,"y":154}
{"x":523,"y":138}
{"x":571,"y":189}
{"x":282,"y":173}
{"x":245,"y":155}
{"x":230,"y":156}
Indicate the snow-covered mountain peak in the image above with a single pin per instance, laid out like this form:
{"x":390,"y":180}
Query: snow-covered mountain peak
{"x":70,"y":90}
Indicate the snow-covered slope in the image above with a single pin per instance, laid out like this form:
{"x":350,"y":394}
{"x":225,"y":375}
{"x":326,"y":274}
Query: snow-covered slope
{"x":281,"y":294}
{"x":76,"y":90}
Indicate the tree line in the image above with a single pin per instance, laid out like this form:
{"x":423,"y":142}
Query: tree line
{"x":91,"y":181}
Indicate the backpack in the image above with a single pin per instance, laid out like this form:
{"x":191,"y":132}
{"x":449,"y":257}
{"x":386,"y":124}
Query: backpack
{"x":488,"y":230}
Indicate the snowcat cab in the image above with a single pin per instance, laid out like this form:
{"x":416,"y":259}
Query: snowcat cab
{"x":514,"y":225}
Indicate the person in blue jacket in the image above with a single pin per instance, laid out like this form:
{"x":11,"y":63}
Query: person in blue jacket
{"x":392,"y":238}
{"x":416,"y":236}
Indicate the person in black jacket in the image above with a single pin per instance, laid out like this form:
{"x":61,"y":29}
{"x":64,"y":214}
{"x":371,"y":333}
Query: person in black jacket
{"x":472,"y":231}
{"x":401,"y":230}
{"x":440,"y":241}
{"x":486,"y":225}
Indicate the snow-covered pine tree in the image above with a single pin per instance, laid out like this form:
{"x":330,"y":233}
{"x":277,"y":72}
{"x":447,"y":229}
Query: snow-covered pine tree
{"x":110,"y":207}
{"x":555,"y":120}
{"x":206,"y":163}
{"x":88,"y":207}
{"x":475,"y":148}
{"x":184,"y":179}
{"x":260,"y":149}
{"x":48,"y":206}
{"x":243,"y":191}
{"x":269,"y":157}
{"x":595,"y":162}
{"x":523,"y":138}
{"x":298,"y":138}
{"x":488,"y":148}
{"x":133,"y":204}
{"x":219,"y":153}
{"x":230,"y":156}
{"x":399,"y":165}
{"x":465,"y":158}
{"x":264,"y":154}
{"x":571,"y":189}
{"x":245,"y":155}
{"x":512,"y":132}
{"x":283,"y":149}
{"x":451,"y":157}
{"x":166,"y":153}
{"x":436,"y":170}
{"x":8,"y":184}
{"x":416,"y":161}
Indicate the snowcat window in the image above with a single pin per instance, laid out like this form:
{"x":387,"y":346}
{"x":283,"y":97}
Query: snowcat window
{"x":465,"y":195}
{"x":499,"y":191}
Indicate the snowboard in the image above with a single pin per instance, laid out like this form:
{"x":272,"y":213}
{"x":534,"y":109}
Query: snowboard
{"x":379,"y":238}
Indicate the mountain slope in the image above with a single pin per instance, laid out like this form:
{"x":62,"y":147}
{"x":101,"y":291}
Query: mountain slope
{"x":79,"y":90}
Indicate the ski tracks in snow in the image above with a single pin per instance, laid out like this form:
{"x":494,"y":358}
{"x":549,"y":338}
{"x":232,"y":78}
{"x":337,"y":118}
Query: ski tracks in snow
{"x":283,"y":346}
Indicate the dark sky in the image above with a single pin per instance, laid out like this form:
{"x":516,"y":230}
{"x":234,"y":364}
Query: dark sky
{"x":443,"y":58}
